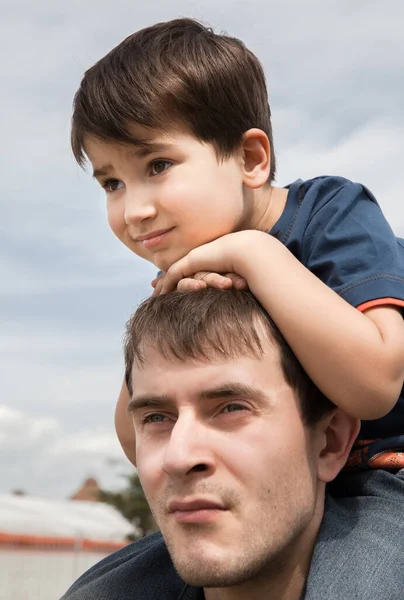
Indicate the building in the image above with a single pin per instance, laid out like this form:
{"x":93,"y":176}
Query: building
{"x":78,"y":523}
{"x":89,"y":491}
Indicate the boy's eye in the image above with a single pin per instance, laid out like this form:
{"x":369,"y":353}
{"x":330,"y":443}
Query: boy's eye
{"x":159,"y":166}
{"x":112,"y":185}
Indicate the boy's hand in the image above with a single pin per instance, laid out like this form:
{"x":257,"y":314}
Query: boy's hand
{"x":230,"y":254}
{"x":201,"y":280}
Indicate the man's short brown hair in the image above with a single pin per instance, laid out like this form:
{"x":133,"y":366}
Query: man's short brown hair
{"x":170,"y":74}
{"x":213,"y":323}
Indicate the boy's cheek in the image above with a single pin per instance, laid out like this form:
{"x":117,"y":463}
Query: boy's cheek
{"x":116,"y":223}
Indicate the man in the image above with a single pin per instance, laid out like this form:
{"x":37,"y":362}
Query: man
{"x":234,"y":446}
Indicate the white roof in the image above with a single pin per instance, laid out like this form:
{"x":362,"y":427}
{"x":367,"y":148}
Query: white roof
{"x":63,"y":518}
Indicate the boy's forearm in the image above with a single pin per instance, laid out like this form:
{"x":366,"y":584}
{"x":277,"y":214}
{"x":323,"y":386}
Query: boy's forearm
{"x":341,"y":349}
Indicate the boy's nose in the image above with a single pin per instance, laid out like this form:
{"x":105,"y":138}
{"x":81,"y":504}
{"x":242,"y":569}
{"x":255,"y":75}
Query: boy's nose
{"x":139,"y":208}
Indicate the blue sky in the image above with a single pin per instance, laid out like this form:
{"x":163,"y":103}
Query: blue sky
{"x":335,"y":79}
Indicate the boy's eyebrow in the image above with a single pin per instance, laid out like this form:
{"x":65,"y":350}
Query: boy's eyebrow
{"x":146,"y":147}
{"x":227,"y":390}
{"x":102,"y":171}
{"x":143,"y":148}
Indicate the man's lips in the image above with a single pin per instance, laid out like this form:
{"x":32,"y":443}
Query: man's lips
{"x":197,"y":510}
{"x":153,"y":238}
{"x":194,"y":504}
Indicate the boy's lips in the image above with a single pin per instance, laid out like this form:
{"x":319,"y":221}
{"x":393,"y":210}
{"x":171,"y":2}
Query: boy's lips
{"x":154,"y":238}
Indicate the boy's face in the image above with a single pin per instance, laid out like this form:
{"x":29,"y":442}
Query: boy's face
{"x":170,"y":195}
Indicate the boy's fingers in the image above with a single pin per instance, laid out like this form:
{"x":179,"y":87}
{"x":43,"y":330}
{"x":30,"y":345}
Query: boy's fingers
{"x":214,"y":280}
{"x":201,"y":275}
{"x":199,"y":280}
{"x":158,"y":286}
{"x":191,"y":285}
{"x":157,"y":279}
{"x":238,"y":282}
{"x":178,"y":271}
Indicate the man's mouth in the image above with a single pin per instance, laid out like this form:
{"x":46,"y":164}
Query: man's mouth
{"x":197,"y":510}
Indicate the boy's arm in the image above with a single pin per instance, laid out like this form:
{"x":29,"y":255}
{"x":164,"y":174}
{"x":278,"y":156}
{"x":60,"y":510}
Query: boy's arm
{"x":124,"y":426}
{"x":356,"y":359}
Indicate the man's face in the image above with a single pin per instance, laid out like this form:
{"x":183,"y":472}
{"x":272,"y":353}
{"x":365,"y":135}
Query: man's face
{"x":169,"y":197}
{"x":227,"y":466}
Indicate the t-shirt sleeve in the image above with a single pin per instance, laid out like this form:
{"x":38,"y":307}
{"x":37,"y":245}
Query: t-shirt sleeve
{"x":350,"y":246}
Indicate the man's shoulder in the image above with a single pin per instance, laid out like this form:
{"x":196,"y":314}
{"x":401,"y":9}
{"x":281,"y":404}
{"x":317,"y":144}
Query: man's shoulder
{"x":139,"y":571}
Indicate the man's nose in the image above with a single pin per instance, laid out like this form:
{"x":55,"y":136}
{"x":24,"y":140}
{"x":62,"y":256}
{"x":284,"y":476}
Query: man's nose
{"x":139,"y":206}
{"x":189,"y":449}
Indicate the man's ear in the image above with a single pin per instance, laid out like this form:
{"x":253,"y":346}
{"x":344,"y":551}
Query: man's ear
{"x":256,"y":158}
{"x":336,"y":434}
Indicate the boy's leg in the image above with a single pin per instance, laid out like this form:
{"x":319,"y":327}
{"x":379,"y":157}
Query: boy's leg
{"x":359,"y":553}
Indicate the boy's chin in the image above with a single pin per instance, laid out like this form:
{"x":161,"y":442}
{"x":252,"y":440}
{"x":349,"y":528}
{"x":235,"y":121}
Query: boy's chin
{"x":163,"y":263}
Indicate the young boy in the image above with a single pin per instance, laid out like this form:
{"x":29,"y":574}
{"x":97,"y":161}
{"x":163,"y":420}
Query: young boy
{"x":176,"y":124}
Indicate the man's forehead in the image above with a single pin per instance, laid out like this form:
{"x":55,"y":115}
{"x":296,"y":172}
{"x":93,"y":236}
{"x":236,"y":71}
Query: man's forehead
{"x":158,"y":373}
{"x":169,"y":357}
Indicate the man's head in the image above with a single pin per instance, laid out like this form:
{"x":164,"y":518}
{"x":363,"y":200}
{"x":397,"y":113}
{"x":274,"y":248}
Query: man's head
{"x":234,"y":443}
{"x":176,"y":123}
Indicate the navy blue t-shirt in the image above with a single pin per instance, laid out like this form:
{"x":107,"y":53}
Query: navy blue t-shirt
{"x":337,"y":230}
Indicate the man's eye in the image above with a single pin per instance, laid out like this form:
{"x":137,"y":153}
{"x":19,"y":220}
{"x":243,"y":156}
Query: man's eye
{"x":159,"y":166}
{"x":233,"y":407}
{"x":112,"y":185}
{"x":154,"y":418}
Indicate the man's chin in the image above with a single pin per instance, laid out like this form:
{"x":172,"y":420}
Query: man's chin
{"x":204,"y":563}
{"x":200,"y":572}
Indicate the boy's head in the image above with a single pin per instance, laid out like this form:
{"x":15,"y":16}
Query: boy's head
{"x":203,"y":95}
{"x":173,"y":75}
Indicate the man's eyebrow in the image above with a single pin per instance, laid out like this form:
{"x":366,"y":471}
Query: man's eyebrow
{"x":233,"y":390}
{"x":148,"y":401}
{"x":223,"y":391}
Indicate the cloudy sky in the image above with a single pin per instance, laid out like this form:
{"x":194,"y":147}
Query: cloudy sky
{"x":335,"y":78}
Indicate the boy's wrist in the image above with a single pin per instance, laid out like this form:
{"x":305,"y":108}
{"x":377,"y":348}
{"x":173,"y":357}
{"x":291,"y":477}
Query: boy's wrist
{"x":253,"y":248}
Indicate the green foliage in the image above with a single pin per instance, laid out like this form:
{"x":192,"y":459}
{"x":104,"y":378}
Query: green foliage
{"x":131,"y":502}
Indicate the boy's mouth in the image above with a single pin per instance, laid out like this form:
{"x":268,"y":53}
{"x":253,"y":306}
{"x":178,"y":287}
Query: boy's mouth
{"x":154,"y":238}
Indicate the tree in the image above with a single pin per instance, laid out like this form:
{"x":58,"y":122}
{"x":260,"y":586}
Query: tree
{"x":132,"y":503}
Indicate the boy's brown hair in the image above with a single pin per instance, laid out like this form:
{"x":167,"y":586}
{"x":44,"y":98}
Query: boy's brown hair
{"x":212,"y":323}
{"x":178,"y":73}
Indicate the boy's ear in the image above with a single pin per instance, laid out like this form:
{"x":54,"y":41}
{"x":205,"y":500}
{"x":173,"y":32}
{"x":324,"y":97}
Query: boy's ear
{"x":256,"y":157}
{"x":336,"y":435}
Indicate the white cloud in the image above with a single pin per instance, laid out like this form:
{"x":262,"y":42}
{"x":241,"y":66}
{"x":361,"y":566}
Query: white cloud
{"x":61,"y":371}
{"x":17,"y":430}
{"x":38,"y":455}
